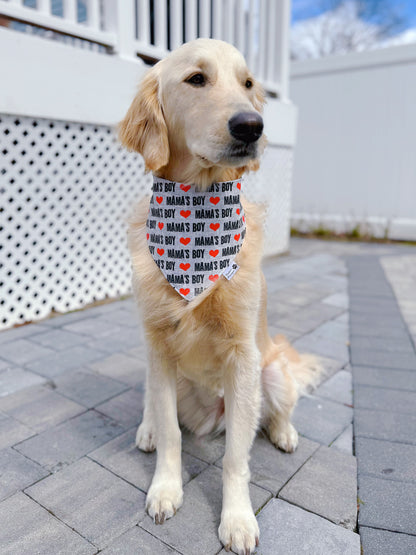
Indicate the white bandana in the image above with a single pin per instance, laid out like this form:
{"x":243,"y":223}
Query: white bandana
{"x":194,"y":236}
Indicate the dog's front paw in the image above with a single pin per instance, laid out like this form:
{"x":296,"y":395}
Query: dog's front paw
{"x":145,"y":438}
{"x":163,"y":500}
{"x":285,"y":438}
{"x":239,"y":532}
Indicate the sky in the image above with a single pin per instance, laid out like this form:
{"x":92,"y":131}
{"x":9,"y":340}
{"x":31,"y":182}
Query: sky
{"x":305,"y":9}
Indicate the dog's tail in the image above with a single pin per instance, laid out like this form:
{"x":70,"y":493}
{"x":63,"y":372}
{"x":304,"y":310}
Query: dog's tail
{"x":306,"y":369}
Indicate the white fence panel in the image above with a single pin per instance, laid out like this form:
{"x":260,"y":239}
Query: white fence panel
{"x":355,"y":154}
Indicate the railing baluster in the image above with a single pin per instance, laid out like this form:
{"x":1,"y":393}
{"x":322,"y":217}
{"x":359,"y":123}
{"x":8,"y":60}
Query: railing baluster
{"x":205,"y":18}
{"x":282,"y":24}
{"x":70,"y":10}
{"x":44,"y":6}
{"x":258,"y":28}
{"x":118,"y":20}
{"x":191,"y":20}
{"x":240,"y":31}
{"x":217,"y":19}
{"x":143,"y":21}
{"x":229,"y":21}
{"x":160,"y":18}
{"x":176,"y":23}
{"x":250,"y":53}
{"x":93,"y":14}
{"x":273,"y":31}
{"x":261,"y":64}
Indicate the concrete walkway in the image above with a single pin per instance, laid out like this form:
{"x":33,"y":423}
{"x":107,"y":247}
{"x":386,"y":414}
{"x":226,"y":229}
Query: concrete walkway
{"x":71,"y":396}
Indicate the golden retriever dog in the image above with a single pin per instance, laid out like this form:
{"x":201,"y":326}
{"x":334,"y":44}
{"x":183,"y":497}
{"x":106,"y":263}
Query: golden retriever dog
{"x":212,"y":364}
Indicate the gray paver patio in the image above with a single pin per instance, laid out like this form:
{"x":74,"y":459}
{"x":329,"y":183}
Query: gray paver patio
{"x":71,"y":395}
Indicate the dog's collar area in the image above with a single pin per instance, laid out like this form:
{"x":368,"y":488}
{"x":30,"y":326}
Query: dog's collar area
{"x":193,"y":235}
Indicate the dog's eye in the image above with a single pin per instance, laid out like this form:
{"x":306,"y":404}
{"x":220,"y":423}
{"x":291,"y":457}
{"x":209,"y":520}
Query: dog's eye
{"x":198,"y":80}
{"x":249,"y":84}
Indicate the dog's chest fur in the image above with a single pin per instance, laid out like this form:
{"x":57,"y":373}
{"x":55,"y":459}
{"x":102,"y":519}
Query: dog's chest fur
{"x":205,"y":336}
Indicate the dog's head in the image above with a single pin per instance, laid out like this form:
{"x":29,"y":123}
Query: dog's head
{"x":198,"y":109}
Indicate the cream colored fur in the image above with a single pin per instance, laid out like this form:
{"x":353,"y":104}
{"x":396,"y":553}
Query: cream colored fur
{"x":212,"y":362}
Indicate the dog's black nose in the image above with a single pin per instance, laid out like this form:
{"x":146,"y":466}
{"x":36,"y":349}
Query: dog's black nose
{"x":246,"y":126}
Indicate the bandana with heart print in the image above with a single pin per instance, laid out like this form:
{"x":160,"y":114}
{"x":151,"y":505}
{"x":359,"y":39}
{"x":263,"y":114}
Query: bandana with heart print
{"x":194,"y":236}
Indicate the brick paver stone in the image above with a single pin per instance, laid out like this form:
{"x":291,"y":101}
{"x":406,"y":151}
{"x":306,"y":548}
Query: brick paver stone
{"x":393,"y":426}
{"x":122,"y":368}
{"x":17,"y":472}
{"x":27,"y":528}
{"x":59,"y":362}
{"x":14,"y":379}
{"x":384,"y":459}
{"x":286,"y":529}
{"x":12,"y":431}
{"x":87,"y":388}
{"x":123,"y":458}
{"x":338,"y":388}
{"x":126,"y":408}
{"x":382,"y":542}
{"x":384,"y":377}
{"x":387,"y":504}
{"x":326,"y":485}
{"x":71,"y":440}
{"x":91,"y":500}
{"x":271,"y":468}
{"x":385,"y":400}
{"x":321,"y":419}
{"x":39,"y":408}
{"x":22,"y":351}
{"x":137,"y":540}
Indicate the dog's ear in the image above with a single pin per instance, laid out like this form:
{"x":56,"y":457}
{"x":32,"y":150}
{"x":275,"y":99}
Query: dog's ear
{"x":144,"y":128}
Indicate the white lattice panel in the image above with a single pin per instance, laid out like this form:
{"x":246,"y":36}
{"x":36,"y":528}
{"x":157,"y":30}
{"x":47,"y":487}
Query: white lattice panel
{"x":66,"y":189}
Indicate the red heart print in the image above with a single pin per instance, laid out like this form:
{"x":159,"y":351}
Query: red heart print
{"x":184,"y":267}
{"x":239,"y":186}
{"x":185,"y":213}
{"x":214,"y":277}
{"x":214,"y":227}
{"x":237,"y":237}
{"x":244,"y":219}
{"x":185,"y":240}
{"x":214,"y":253}
{"x":238,"y":211}
{"x":160,"y":225}
{"x":147,"y":236}
{"x":185,"y":187}
{"x":214,"y":200}
{"x":160,"y":251}
{"x":159,"y":200}
{"x":184,"y":291}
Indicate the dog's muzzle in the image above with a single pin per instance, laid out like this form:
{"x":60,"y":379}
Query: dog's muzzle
{"x":246,"y":126}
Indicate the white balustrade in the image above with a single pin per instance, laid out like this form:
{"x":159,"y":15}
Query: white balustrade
{"x":131,"y":28}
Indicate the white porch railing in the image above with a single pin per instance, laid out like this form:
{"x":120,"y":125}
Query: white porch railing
{"x":151,"y":28}
{"x":66,"y":185}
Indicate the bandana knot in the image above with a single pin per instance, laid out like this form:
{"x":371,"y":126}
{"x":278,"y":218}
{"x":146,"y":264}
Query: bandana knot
{"x":193,"y":235}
